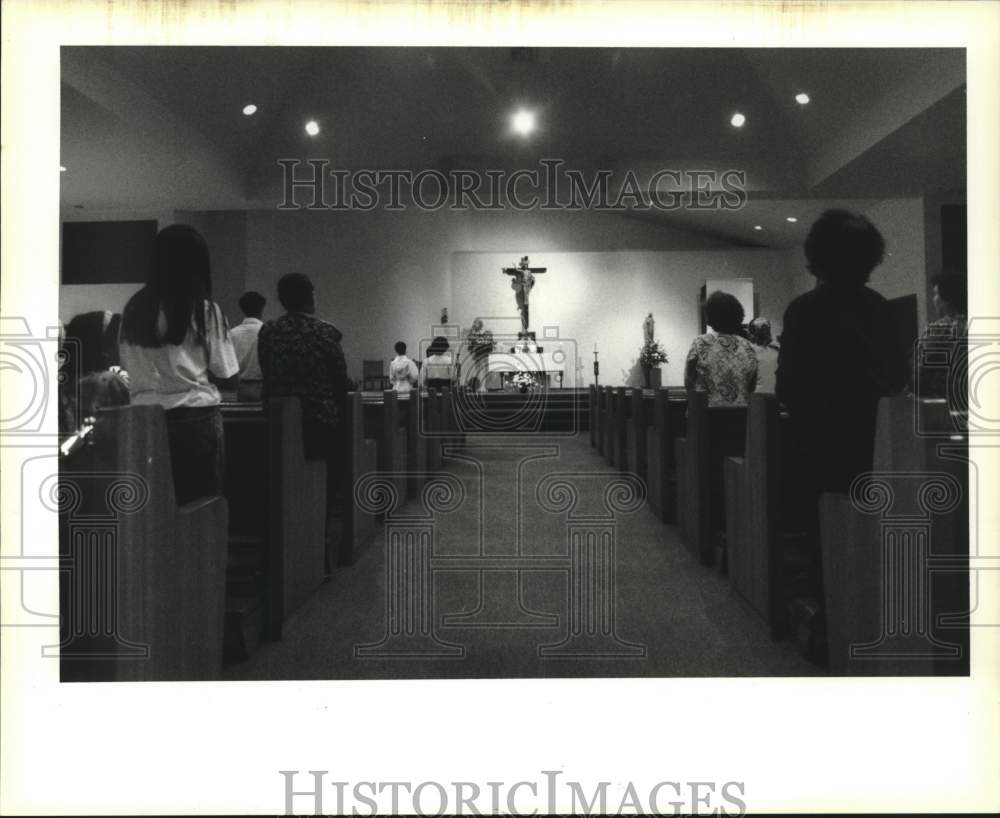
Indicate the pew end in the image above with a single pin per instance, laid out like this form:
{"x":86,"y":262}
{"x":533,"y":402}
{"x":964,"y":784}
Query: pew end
{"x":359,"y":525}
{"x":143,"y":594}
{"x":760,"y":538}
{"x":298,"y":514}
{"x":895,"y":552}
{"x":710,"y":435}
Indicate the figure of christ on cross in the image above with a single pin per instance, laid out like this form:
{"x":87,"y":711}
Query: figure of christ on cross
{"x":523,"y":279}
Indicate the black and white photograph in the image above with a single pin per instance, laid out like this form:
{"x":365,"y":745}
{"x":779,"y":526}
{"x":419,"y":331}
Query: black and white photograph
{"x":431,"y":390}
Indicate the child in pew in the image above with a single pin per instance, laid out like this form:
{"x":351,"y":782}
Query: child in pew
{"x":174,"y":339}
{"x":300,"y":356}
{"x":722,"y":363}
{"x":402,"y":371}
{"x":839,"y":355}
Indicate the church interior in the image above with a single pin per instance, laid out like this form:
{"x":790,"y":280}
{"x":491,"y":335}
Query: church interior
{"x":549,"y":524}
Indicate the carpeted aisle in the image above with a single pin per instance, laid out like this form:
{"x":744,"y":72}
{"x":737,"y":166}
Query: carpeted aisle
{"x":501,"y":586}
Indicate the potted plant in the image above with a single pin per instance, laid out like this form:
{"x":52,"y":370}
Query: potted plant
{"x":651,"y":356}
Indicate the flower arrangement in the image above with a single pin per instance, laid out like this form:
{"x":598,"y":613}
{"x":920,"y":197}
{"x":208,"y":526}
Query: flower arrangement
{"x":652,"y":354}
{"x":523,"y":381}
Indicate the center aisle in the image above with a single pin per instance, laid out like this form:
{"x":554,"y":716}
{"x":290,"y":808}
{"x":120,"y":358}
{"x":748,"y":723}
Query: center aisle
{"x":503,"y":586}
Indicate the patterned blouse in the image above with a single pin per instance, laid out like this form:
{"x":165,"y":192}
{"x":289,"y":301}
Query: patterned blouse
{"x":301,"y":355}
{"x":724,"y":366}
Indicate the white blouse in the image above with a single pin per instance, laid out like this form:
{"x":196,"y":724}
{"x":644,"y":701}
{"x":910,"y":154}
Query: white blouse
{"x":176,"y":375}
{"x":402,"y":373}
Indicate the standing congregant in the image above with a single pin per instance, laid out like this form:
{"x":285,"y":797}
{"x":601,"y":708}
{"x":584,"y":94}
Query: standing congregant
{"x":722,"y":363}
{"x":244,"y":338}
{"x":402,"y":370}
{"x":839,"y":352}
{"x":759,"y":331}
{"x":838,"y":357}
{"x":173,"y":339}
{"x":300,"y":356}
{"x":438,"y":369}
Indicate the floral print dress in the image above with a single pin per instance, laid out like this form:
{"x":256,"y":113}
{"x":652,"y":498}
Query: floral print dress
{"x":724,"y":366}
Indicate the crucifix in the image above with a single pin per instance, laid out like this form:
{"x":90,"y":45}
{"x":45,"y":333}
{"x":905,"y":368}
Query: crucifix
{"x":522,"y":280}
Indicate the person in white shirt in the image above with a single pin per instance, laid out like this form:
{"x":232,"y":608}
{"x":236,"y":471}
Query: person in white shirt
{"x":438,"y":369}
{"x":174,"y":340}
{"x":402,"y":370}
{"x":759,"y":331}
{"x":245,"y":343}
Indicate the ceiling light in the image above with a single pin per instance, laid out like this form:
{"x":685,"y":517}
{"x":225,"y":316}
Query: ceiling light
{"x":802,"y":99}
{"x":738,"y":120}
{"x":312,"y":127}
{"x":757,"y":227}
{"x":523,"y":122}
{"x":249,"y":110}
{"x":791,"y":219}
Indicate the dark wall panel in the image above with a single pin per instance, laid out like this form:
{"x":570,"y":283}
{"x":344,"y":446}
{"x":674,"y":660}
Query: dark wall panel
{"x":107,"y":252}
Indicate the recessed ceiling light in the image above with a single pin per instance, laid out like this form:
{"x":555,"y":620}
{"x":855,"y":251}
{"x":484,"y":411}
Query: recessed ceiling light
{"x":802,"y":99}
{"x":523,"y":122}
{"x":249,"y":110}
{"x":757,"y":227}
{"x":738,"y":120}
{"x":62,"y":168}
{"x":312,"y":127}
{"x":790,"y":219}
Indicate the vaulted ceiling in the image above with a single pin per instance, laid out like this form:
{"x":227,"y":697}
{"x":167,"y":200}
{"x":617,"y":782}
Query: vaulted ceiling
{"x":150,"y":127}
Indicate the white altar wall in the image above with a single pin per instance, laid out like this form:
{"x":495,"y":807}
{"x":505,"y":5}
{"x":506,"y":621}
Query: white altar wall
{"x":383,"y":276}
{"x":603,"y":297}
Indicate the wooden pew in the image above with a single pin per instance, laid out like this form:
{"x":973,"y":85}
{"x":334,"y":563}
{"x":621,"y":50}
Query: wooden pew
{"x":277,"y":521}
{"x":710,"y":435}
{"x":384,"y":423}
{"x":640,"y":416}
{"x":442,"y":424}
{"x":297,"y":494}
{"x":667,"y":422}
{"x":451,"y":415}
{"x":431,"y":423}
{"x":359,"y":525}
{"x":616,"y":414}
{"x":250,"y":612}
{"x":895,"y":556}
{"x":608,"y":425}
{"x":592,"y":414}
{"x":620,"y":431}
{"x":414,"y":405}
{"x":599,"y":419}
{"x":759,"y":527}
{"x":144,"y":579}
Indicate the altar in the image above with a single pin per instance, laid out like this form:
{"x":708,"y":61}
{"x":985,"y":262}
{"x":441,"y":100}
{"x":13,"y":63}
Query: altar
{"x":546,"y":368}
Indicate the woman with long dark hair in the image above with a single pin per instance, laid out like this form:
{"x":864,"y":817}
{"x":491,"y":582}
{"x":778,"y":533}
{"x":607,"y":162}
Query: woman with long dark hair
{"x":173,"y":339}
